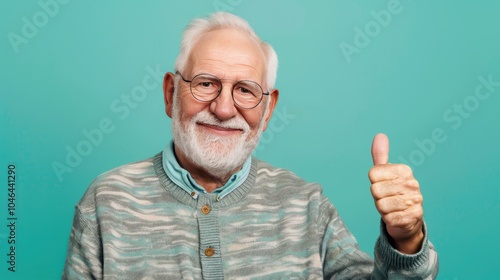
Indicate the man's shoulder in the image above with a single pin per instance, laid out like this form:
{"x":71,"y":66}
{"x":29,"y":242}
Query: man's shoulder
{"x":129,"y":171}
{"x":127,"y":178}
{"x":126,"y":185}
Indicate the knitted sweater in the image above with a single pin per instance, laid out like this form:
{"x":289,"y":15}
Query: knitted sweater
{"x":134,"y":223}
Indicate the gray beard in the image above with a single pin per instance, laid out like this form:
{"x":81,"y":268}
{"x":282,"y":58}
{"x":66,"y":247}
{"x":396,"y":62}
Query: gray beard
{"x":217,"y":155}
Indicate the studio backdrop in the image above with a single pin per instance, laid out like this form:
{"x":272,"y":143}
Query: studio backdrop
{"x":81,"y":93}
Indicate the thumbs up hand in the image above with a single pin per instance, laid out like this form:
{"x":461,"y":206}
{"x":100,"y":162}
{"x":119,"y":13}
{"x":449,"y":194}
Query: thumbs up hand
{"x":397,"y":198}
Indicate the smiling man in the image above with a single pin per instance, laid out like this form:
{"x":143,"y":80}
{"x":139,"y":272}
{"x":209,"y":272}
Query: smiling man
{"x":203,"y":208}
{"x":217,"y":120}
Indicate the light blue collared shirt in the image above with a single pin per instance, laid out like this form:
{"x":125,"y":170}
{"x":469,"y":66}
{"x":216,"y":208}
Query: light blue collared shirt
{"x":183,"y":179}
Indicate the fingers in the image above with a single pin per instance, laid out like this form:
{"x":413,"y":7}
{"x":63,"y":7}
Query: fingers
{"x":398,"y":203}
{"x":404,"y":221}
{"x":389,"y":172}
{"x":380,"y":149}
{"x":399,"y":194}
{"x":398,"y":186}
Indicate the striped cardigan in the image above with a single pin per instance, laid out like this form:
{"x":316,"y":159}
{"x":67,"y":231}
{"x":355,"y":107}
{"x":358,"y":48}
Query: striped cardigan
{"x":134,"y":223}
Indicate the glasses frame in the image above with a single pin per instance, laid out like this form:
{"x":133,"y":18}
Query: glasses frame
{"x":220,"y":90}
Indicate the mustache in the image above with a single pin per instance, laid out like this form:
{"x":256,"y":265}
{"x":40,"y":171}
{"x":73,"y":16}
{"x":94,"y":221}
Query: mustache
{"x":234,"y":123}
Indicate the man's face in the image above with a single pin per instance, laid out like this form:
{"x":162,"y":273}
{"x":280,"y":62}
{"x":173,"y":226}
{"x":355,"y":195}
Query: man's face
{"x":218,"y":136}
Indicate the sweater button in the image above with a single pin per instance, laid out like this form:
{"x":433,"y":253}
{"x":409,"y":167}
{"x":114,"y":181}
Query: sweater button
{"x":209,"y":252}
{"x":205,"y":209}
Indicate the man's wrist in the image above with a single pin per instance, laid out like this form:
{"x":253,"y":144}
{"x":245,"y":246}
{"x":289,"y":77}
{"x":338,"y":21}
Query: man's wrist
{"x":411,"y":245}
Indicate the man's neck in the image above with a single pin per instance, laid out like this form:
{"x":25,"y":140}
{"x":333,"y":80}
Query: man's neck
{"x":208,"y":181}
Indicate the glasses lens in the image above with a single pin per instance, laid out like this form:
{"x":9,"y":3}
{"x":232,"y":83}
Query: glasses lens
{"x":205,"y":87}
{"x":247,"y":94}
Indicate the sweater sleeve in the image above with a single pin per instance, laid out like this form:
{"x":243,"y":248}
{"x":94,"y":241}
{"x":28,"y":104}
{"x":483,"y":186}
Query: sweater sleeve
{"x":395,"y":265}
{"x":343,"y":259}
{"x":84,"y":255}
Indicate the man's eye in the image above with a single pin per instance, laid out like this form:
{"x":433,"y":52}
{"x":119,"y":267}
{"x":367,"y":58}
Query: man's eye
{"x":244,"y":90}
{"x":206,"y":84}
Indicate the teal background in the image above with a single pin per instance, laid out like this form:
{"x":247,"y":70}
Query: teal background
{"x":429,"y":57}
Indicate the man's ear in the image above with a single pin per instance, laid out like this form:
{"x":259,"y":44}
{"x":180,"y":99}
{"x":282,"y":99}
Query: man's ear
{"x":274,"y":94}
{"x":168,"y":92}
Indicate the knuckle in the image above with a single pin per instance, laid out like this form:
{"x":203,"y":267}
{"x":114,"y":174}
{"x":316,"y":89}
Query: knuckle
{"x":372,"y":173}
{"x":413,"y":183}
{"x":413,"y":200}
{"x":375,"y":190}
{"x":381,"y":207}
{"x":388,"y":219}
{"x":409,"y":202}
{"x":419,"y":213}
{"x":404,"y":170}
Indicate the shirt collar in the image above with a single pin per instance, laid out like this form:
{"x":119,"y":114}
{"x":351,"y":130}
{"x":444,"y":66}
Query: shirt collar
{"x":185,"y":181}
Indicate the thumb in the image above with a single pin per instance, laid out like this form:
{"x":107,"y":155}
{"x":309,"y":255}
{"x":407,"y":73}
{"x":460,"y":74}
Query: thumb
{"x":380,"y":149}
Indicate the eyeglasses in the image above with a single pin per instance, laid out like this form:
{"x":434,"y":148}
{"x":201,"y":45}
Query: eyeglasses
{"x":206,"y":88}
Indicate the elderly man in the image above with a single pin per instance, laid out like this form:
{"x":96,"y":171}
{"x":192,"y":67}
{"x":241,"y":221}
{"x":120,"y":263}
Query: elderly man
{"x":203,"y":208}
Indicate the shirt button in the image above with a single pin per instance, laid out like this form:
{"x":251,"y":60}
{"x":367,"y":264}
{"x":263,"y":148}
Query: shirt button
{"x":209,"y":252}
{"x":205,"y":209}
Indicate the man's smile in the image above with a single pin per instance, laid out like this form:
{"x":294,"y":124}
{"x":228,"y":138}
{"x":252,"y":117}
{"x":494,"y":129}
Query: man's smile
{"x":220,"y":129}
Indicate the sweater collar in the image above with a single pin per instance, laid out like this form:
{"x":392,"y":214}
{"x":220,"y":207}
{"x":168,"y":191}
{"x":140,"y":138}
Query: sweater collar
{"x":185,"y":181}
{"x":230,"y":199}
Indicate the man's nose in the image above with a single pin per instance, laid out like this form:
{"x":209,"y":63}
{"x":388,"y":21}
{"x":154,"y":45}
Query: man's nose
{"x":223,"y":106}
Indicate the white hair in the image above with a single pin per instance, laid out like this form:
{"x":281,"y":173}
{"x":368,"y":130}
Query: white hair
{"x":220,"y":20}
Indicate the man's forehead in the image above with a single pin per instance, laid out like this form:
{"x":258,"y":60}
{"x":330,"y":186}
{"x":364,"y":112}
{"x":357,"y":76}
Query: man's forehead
{"x":227,"y":46}
{"x":226,"y":38}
